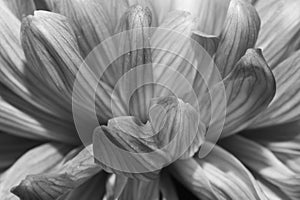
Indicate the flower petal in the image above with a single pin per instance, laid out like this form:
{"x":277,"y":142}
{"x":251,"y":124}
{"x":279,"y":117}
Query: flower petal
{"x":52,"y":51}
{"x":160,"y":9}
{"x":20,"y":8}
{"x":271,"y":191}
{"x":210,"y":12}
{"x":285,"y":106}
{"x":279,"y":35}
{"x":34,"y":126}
{"x":250,"y":88}
{"x":137,"y":189}
{"x":89,"y":20}
{"x":67,"y":177}
{"x":217,"y":176}
{"x":140,"y":150}
{"x":92,"y":189}
{"x":17,"y":86}
{"x":176,"y":57}
{"x":42,"y":159}
{"x":11,"y":148}
{"x":283,"y":140}
{"x":262,"y":161}
{"x":240,"y":33}
{"x":209,"y":42}
{"x":135,"y":68}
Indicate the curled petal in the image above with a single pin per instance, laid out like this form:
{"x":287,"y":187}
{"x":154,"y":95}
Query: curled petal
{"x":141,"y":150}
{"x":217,"y":176}
{"x":70,"y":175}
{"x":266,"y":164}
{"x":279,"y":35}
{"x":250,"y":87}
{"x":285,"y":106}
{"x":240,"y":33}
{"x":46,"y":157}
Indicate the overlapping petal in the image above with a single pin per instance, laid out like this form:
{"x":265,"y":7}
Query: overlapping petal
{"x":283,"y":140}
{"x":285,"y":106}
{"x":32,"y":125}
{"x":217,"y":176}
{"x":240,"y":33}
{"x":249,"y":88}
{"x":38,"y":160}
{"x":11,"y":148}
{"x":263,"y":162}
{"x":67,"y":177}
{"x":92,"y":189}
{"x":20,"y":8}
{"x":211,"y":13}
{"x":90,"y":21}
{"x":279,"y":35}
{"x":141,"y":150}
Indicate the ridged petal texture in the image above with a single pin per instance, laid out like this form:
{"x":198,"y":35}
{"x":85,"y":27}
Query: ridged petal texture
{"x":68,"y":177}
{"x":217,"y":176}
{"x":263,"y":162}
{"x":280,"y":29}
{"x":127,"y":146}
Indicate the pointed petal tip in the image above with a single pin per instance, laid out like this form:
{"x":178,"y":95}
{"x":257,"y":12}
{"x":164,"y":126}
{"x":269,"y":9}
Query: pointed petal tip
{"x":138,"y":13}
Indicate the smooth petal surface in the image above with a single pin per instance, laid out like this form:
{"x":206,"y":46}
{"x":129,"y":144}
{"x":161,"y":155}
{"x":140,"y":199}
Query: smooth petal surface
{"x":11,"y":148}
{"x":285,"y":106}
{"x":20,"y":8}
{"x":279,"y":35}
{"x":89,"y":20}
{"x":140,"y":150}
{"x":250,"y":87}
{"x":240,"y":33}
{"x":67,"y":177}
{"x":262,"y":161}
{"x":217,"y":176}
{"x":38,"y":160}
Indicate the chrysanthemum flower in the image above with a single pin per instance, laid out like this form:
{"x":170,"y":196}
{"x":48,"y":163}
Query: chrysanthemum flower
{"x":257,"y":156}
